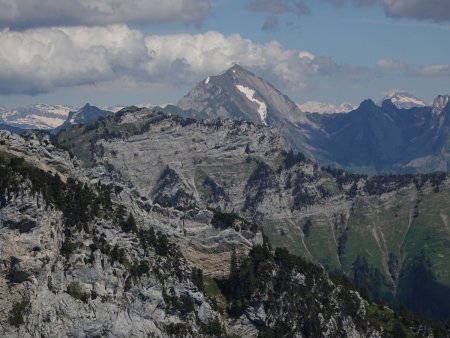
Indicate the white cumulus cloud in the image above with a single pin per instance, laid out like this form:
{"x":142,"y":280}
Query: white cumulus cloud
{"x":212,"y":52}
{"x":40,"y":60}
{"x":36,"y":61}
{"x":32,"y":13}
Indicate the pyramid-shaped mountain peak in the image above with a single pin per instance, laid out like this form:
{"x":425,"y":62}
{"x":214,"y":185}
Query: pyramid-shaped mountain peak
{"x":239,"y":94}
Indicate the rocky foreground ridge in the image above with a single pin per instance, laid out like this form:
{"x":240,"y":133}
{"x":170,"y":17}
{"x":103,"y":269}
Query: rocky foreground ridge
{"x":122,"y":245}
{"x":382,"y":231}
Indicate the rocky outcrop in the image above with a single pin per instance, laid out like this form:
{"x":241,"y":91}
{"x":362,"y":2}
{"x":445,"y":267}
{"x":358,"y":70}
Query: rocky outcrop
{"x":402,"y":134}
{"x":229,"y":166}
{"x":89,"y":292}
{"x":85,"y":252}
{"x":90,"y":276}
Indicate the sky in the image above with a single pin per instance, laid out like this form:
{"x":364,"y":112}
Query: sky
{"x":123,"y":52}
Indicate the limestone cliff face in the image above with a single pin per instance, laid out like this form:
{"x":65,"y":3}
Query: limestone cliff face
{"x":99,"y":281}
{"x":73,"y":264}
{"x":322,"y":214}
{"x":86,"y":278}
{"x":191,"y":228}
{"x":86,"y":293}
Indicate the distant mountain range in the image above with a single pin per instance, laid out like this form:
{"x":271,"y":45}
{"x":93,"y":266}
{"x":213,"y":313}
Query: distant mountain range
{"x":386,"y":139}
{"x":403,"y":100}
{"x":325,"y":108}
{"x":36,"y":116}
{"x":116,"y":108}
{"x":83,"y":115}
{"x":50,"y":117}
{"x":47,"y":117}
{"x":400,"y":134}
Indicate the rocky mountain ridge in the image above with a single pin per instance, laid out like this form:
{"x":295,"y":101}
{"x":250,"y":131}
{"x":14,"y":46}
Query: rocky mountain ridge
{"x":403,"y":100}
{"x":383,"y":139}
{"x":238,"y":93}
{"x":83,"y":115}
{"x":319,"y":213}
{"x":48,"y":117}
{"x":401,"y":134}
{"x":325,"y":108}
{"x":83,"y":254}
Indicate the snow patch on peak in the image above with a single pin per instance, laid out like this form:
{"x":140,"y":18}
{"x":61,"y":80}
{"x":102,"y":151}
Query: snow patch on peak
{"x":403,"y":100}
{"x":207,"y":80}
{"x":250,"y":95}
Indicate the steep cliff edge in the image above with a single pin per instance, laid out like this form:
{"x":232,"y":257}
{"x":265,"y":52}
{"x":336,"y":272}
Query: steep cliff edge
{"x":381,"y":231}
{"x":82,"y":257}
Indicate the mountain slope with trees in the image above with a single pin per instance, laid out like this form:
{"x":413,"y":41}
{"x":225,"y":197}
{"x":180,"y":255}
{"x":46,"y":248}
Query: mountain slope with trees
{"x":381,"y":231}
{"x":77,"y":260}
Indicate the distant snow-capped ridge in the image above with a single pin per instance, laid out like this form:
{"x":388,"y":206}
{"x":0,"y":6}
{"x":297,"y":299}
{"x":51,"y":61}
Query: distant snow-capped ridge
{"x":403,"y":100}
{"x":326,"y":108}
{"x":119,"y":107}
{"x":47,"y":116}
{"x":35,"y":116}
